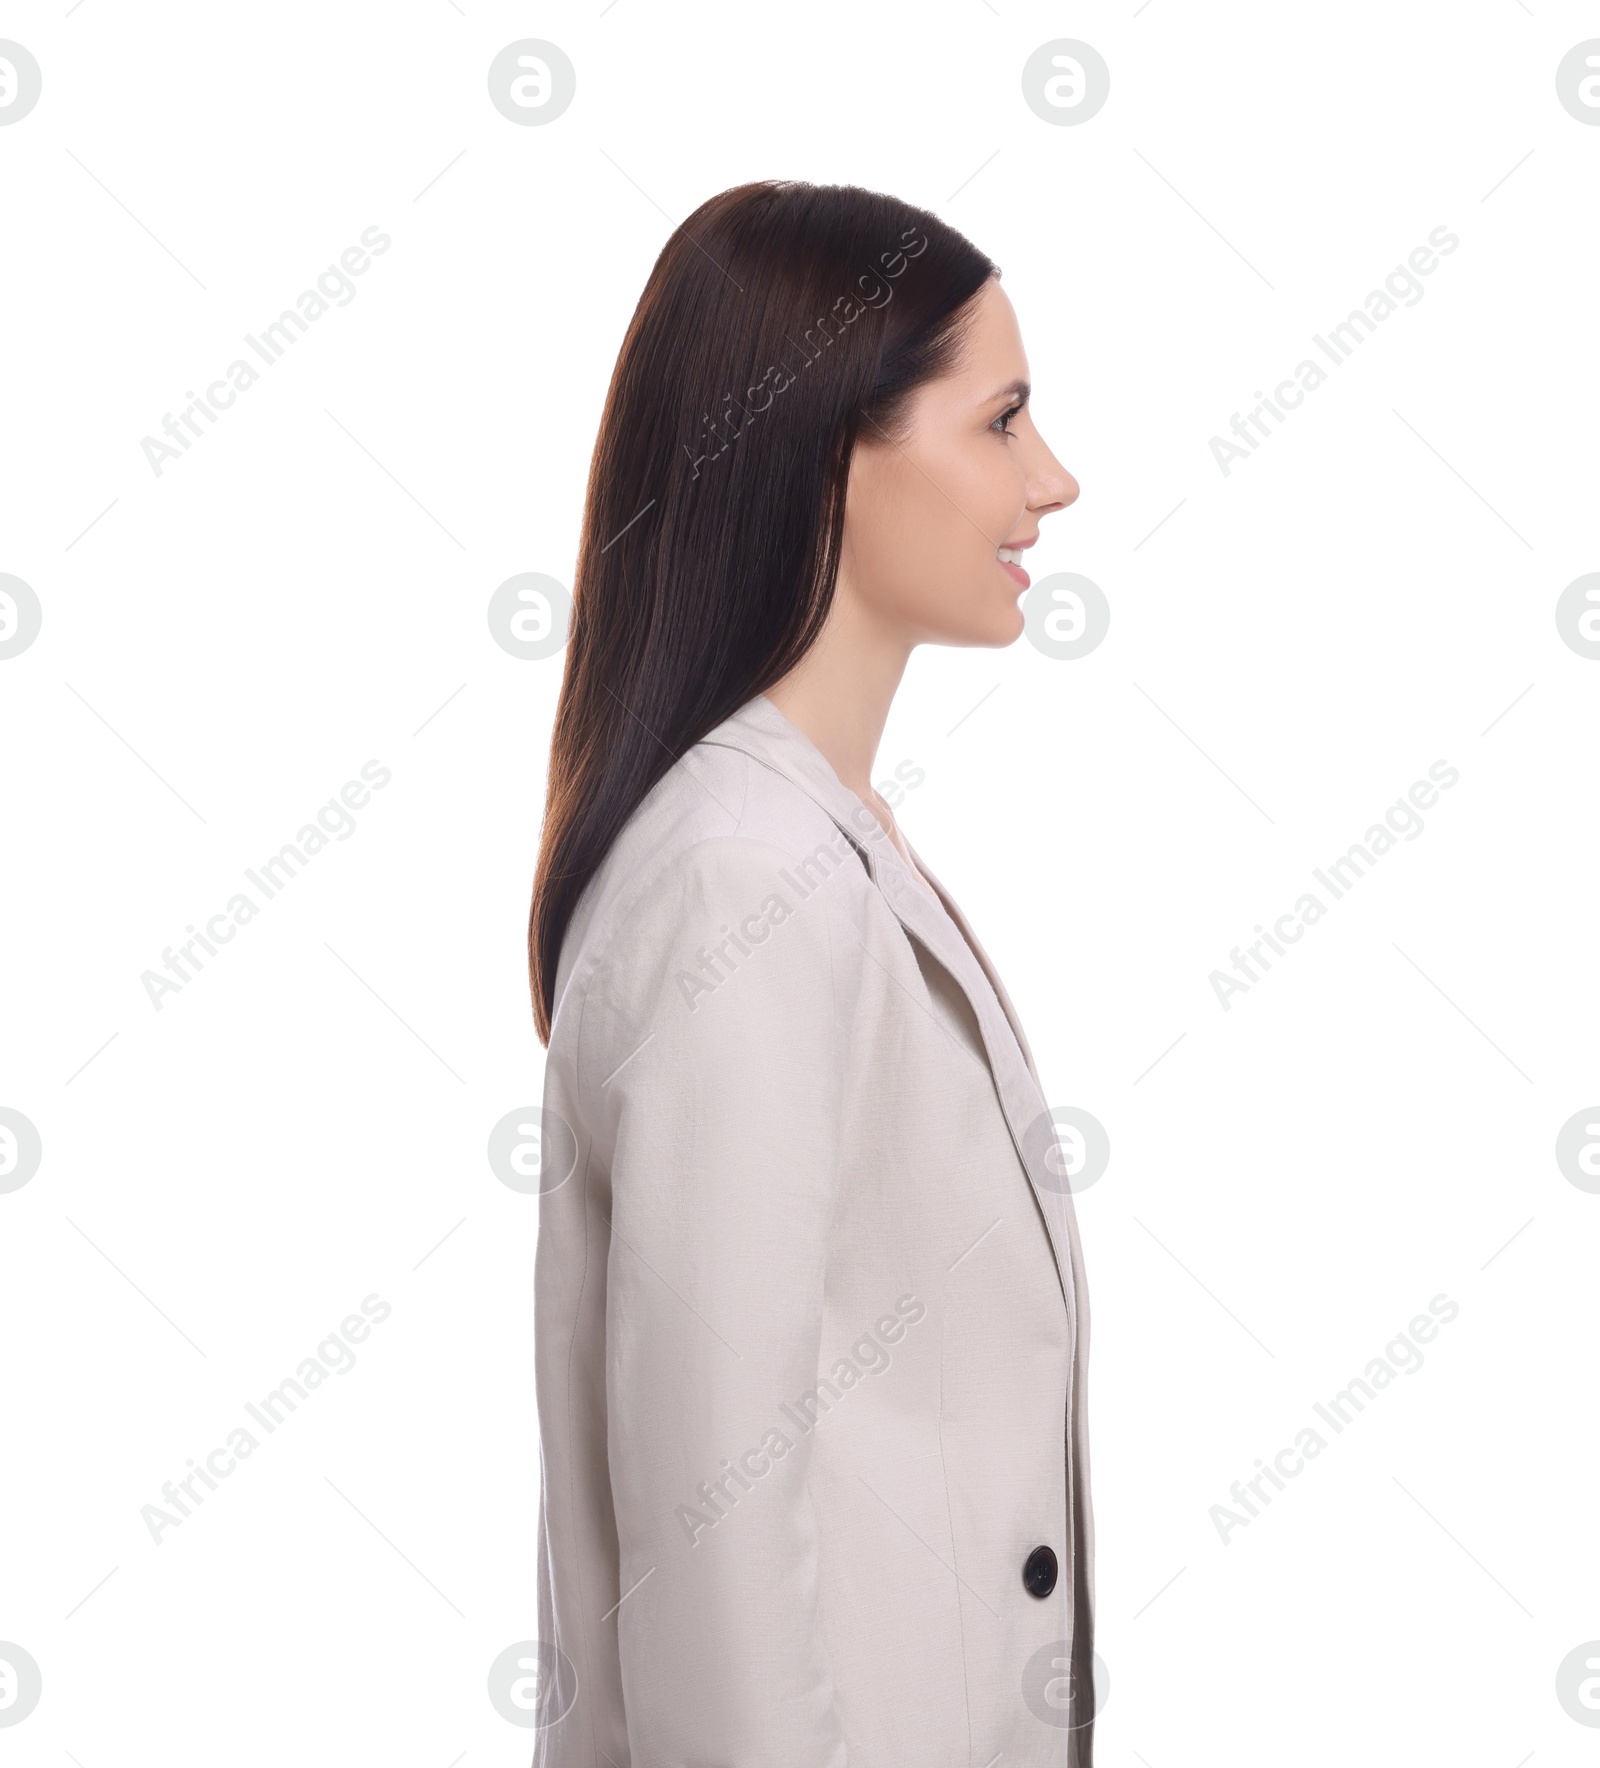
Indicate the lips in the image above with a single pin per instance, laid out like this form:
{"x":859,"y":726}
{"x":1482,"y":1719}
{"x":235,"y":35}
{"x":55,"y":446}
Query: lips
{"x":1010,"y":560}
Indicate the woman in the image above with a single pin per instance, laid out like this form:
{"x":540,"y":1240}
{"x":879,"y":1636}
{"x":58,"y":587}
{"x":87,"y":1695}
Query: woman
{"x":811,"y":1329}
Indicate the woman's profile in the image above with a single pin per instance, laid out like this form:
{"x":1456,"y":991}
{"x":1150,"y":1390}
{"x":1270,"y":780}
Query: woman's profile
{"x":811,"y":1328}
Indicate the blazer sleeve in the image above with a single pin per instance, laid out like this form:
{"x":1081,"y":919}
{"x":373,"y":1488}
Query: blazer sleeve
{"x":727,"y":1012}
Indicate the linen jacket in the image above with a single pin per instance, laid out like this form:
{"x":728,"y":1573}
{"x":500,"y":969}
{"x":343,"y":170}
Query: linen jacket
{"x":811,"y":1327}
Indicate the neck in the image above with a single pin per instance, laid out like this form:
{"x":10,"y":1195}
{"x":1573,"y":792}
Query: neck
{"x":840,"y":692}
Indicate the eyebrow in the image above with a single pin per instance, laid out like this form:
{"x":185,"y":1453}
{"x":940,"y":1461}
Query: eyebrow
{"x":1018,"y":391}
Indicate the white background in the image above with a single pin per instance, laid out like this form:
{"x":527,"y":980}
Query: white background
{"x":1291,"y":646}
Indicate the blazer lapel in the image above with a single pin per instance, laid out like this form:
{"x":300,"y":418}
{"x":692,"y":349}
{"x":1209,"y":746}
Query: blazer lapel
{"x":971,"y":940}
{"x":761,"y":731}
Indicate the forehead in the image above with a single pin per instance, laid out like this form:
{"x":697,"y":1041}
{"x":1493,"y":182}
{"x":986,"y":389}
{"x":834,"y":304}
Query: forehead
{"x":992,"y":354}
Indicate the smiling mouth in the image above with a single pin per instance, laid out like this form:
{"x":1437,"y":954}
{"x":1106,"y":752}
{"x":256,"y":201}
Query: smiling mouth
{"x":1010,"y":560}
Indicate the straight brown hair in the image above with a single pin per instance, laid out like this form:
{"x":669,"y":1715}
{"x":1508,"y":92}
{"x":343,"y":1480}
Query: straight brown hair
{"x":782,"y":323}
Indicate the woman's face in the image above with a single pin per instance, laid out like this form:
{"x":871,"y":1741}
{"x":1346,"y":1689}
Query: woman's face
{"x":936,"y":522}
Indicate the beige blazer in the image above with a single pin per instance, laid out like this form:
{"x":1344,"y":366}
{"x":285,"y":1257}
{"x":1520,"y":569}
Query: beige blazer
{"x":811,"y":1329}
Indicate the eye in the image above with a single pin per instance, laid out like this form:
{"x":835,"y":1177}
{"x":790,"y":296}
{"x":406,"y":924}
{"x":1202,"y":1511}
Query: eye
{"x":1002,"y":424}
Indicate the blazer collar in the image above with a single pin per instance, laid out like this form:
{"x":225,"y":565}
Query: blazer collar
{"x":760,"y":730}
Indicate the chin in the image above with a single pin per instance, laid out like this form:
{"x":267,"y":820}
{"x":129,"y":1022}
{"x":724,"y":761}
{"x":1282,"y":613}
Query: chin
{"x":1005,"y":628}
{"x":993,"y":632}
{"x":974,"y":622}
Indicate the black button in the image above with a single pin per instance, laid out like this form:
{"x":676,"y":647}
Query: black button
{"x":1039,"y":1573}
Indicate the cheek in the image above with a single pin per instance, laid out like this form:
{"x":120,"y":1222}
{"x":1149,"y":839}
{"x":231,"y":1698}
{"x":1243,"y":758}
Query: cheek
{"x":923,"y":534}
{"x":935,"y":546}
{"x":911,"y":519}
{"x":979,"y":489}
{"x":985,"y":489}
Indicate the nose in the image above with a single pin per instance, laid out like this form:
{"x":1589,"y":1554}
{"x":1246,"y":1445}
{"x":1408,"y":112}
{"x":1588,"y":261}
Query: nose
{"x":1066,"y":489}
{"x":1051,"y":487}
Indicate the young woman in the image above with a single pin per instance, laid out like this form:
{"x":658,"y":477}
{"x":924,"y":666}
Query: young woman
{"x":811,"y":1329}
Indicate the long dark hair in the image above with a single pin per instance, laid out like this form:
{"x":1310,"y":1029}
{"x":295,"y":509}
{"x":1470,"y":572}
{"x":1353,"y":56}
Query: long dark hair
{"x":782,"y":321}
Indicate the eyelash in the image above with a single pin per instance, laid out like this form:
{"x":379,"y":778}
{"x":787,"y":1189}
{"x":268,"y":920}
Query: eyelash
{"x":1003,"y":422}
